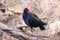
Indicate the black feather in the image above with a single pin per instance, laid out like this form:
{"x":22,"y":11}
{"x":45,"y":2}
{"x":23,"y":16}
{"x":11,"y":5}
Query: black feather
{"x":32,"y":20}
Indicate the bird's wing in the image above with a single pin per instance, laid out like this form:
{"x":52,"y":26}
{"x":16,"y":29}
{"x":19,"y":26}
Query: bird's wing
{"x":34,"y":20}
{"x":33,"y":17}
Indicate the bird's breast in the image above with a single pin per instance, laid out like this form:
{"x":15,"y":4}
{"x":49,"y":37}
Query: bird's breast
{"x":25,"y":18}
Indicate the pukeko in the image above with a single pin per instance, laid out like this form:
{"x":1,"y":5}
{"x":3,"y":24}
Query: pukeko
{"x":32,"y":20}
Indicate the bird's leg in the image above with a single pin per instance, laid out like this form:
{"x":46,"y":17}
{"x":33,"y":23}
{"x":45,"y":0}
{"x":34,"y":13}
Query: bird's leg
{"x":32,"y":30}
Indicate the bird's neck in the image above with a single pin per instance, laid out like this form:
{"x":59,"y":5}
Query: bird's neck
{"x":25,"y":15}
{"x":25,"y":12}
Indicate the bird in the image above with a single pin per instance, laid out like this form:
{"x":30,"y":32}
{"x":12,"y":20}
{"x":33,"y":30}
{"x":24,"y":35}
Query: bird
{"x":32,"y":20}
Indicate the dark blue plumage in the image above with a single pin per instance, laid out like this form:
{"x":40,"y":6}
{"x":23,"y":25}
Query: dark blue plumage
{"x":32,"y":20}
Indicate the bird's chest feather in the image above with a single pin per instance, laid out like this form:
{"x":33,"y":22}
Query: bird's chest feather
{"x":26,"y":18}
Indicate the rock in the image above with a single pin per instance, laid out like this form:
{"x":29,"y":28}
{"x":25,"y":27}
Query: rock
{"x":49,"y":9}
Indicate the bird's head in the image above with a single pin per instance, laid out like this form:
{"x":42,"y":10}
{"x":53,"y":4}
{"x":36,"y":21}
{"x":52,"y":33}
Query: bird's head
{"x":26,"y":10}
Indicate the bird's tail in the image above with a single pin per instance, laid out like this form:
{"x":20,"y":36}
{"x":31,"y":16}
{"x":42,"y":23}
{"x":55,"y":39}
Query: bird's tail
{"x":42,"y":28}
